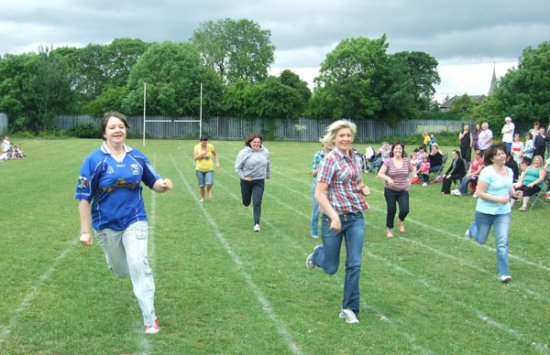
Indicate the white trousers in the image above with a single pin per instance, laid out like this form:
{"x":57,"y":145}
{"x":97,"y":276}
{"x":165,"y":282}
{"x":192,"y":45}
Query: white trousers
{"x":126,"y":254}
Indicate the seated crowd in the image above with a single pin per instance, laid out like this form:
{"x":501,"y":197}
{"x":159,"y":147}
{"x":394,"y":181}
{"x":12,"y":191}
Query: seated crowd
{"x":10,"y":150}
{"x":530,"y":172}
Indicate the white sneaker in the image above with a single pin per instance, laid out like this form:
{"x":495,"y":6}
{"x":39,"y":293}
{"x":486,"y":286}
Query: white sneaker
{"x":456,"y":193}
{"x":349,"y":316}
{"x":505,"y":278}
{"x":309,"y":260}
{"x":256,"y":227}
{"x":475,"y":195}
{"x":425,"y":184}
{"x":467,"y":234}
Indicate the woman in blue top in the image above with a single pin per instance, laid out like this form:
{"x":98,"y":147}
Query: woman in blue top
{"x":109,"y":190}
{"x":494,"y":189}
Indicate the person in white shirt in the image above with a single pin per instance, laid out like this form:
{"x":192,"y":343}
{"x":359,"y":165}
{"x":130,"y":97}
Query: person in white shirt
{"x":508,"y":133}
{"x":485,"y":139}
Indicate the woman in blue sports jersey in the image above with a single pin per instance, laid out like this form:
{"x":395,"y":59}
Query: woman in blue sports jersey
{"x":111,"y":202}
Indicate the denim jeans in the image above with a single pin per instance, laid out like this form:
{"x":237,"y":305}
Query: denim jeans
{"x":205,"y":177}
{"x":479,"y":230}
{"x":392,"y":199}
{"x":314,"y":212}
{"x":126,"y":254}
{"x":327,"y":257}
{"x":463,"y":188}
{"x":253,"y":190}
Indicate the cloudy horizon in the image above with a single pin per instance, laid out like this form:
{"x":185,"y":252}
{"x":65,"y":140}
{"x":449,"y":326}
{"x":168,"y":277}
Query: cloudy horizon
{"x":468,"y":39}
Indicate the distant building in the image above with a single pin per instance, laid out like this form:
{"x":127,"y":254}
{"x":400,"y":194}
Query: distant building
{"x":445,"y":106}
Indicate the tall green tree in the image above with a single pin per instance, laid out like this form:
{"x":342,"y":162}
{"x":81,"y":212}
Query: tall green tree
{"x":420,"y":70}
{"x":96,"y":68}
{"x":173,"y":73}
{"x":34,"y":88}
{"x":523,"y":92}
{"x":235,"y":49}
{"x":351,"y":80}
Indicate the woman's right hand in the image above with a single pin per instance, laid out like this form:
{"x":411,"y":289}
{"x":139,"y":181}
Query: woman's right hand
{"x":335,"y":224}
{"x":86,"y":239}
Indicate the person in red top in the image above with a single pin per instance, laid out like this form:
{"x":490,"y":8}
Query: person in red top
{"x":475,"y":168}
{"x":396,"y":173}
{"x":340,"y":193}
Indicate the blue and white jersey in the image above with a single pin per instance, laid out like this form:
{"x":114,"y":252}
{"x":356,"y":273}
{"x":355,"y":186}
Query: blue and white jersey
{"x":114,"y":188}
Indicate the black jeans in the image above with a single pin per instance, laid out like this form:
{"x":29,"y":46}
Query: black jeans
{"x":253,"y":190}
{"x":392,"y":198}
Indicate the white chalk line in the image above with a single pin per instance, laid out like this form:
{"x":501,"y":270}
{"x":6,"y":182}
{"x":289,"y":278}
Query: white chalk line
{"x":441,"y":293}
{"x":378,"y":314}
{"x":474,"y":310}
{"x":480,"y":314}
{"x":35,"y":290}
{"x":263,"y":301}
{"x":443,"y":232}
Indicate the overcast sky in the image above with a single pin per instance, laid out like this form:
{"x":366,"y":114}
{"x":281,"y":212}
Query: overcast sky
{"x":468,"y":38}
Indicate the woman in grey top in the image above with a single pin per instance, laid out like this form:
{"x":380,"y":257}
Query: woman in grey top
{"x":252,"y":165}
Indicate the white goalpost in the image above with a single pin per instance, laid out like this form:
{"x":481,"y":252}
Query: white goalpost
{"x":145,"y":120}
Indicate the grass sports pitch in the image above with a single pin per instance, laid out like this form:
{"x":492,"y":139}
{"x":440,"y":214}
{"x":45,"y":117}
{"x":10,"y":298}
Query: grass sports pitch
{"x":221,"y":288}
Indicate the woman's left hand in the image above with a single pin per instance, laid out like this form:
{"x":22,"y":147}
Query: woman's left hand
{"x":166,"y":184}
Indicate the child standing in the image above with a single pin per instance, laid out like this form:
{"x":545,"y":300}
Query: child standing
{"x":517,"y":148}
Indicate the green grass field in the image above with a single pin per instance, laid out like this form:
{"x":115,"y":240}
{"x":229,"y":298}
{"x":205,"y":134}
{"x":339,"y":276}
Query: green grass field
{"x":223,"y":289}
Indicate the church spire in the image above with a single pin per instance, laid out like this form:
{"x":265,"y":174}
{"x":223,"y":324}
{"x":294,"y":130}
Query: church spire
{"x":493,"y":81}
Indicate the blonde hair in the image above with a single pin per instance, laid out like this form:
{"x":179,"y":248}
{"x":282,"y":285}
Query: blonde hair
{"x":334,"y":127}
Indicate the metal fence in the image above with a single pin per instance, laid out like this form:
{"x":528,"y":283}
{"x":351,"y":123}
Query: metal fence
{"x":231,"y":128}
{"x":3,"y":123}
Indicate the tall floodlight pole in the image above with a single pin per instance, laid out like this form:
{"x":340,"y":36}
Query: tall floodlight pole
{"x":200,"y":116}
{"x":144,"y":109}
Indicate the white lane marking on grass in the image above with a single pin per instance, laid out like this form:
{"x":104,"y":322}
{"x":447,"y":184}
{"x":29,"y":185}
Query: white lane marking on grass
{"x":410,"y":337}
{"x":35,"y":290}
{"x":412,"y":340}
{"x":441,"y":293}
{"x":461,"y":237}
{"x":145,"y":344}
{"x":515,"y":284}
{"x":261,"y":298}
{"x":480,"y":314}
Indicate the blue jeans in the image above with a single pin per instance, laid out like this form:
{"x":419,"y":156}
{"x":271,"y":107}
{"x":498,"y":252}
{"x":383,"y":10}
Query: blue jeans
{"x":463,"y":188}
{"x":314,"y":212}
{"x":327,"y":257}
{"x":479,"y":230}
{"x":205,"y":177}
{"x":392,"y":199}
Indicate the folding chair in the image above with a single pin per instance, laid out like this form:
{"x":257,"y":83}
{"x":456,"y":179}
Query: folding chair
{"x":540,"y":198}
{"x":435,"y":174}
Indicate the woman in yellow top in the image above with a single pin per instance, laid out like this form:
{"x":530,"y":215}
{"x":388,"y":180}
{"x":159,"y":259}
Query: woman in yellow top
{"x":426,"y":139}
{"x":204,"y":168}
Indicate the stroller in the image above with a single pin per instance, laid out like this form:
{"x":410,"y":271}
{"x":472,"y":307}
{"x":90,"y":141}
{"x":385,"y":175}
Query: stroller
{"x":368,"y":159}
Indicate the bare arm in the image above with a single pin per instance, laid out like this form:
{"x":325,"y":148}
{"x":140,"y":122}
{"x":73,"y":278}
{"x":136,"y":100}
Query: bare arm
{"x":382,"y":175}
{"x":85,"y":210}
{"x":217,"y":157}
